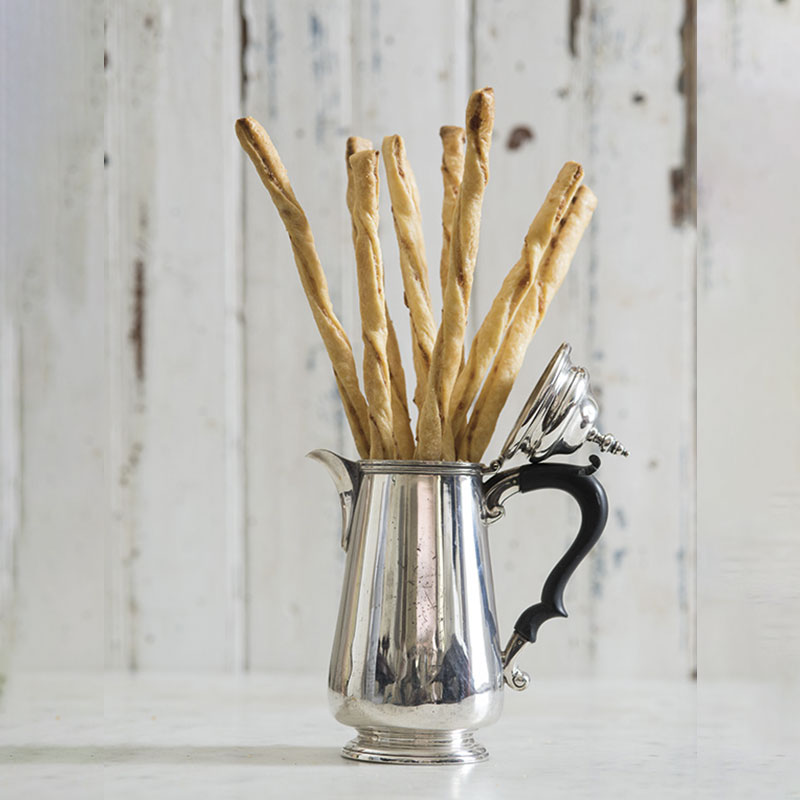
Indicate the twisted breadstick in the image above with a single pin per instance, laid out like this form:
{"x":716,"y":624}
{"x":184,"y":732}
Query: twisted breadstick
{"x":511,"y":294}
{"x":433,"y":443}
{"x":374,"y":330}
{"x":401,"y":422}
{"x":256,"y":143}
{"x":453,"y":141}
{"x":549,"y":276}
{"x":355,"y":144}
{"x":413,"y":266}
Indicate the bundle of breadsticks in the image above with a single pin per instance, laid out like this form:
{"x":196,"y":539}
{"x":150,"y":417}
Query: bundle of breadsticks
{"x":459,"y":399}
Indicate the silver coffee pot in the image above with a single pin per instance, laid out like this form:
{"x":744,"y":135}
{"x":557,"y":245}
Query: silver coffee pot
{"x":417,"y":664}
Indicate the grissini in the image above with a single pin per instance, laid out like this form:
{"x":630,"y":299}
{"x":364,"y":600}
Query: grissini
{"x":453,"y":142}
{"x":404,"y":438}
{"x":551,"y":272}
{"x":401,"y":421}
{"x":258,"y":146}
{"x":355,"y":144}
{"x":511,"y":294}
{"x":372,"y":302}
{"x":433,"y":441}
{"x":413,"y":266}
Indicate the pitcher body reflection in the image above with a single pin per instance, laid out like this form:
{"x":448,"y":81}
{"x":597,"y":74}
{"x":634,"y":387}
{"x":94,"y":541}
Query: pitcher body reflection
{"x":417,"y":645}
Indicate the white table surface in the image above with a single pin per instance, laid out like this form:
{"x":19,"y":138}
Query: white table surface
{"x":262,"y":736}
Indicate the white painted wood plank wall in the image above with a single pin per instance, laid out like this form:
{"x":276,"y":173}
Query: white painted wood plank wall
{"x":608,"y":98}
{"x":174,"y":266}
{"x":221,"y":541}
{"x":748,"y":340}
{"x":298,"y":70}
{"x":314,"y":73}
{"x":52,"y":348}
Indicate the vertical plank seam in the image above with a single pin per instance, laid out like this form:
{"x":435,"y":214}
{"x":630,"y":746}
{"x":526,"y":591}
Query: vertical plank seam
{"x":348,"y":286}
{"x":598,"y":553}
{"x":10,"y":408}
{"x":236,"y":377}
{"x":120,"y":646}
{"x":472,"y":72}
{"x":10,"y":465}
{"x":132,"y":391}
{"x":689,"y":49}
{"x":472,"y":46}
{"x":355,"y":93}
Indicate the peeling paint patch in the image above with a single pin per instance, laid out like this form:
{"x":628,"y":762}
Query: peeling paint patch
{"x":311,"y":359}
{"x":273,"y":39}
{"x":125,"y":473}
{"x":375,"y":36}
{"x":598,"y":570}
{"x":518,"y":136}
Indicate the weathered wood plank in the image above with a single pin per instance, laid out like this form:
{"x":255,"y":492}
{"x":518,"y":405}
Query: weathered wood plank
{"x":410,"y":77}
{"x":175,"y":571}
{"x":10,"y":376}
{"x":51,"y":342}
{"x":297,"y":69}
{"x":10,"y":455}
{"x":748,"y":341}
{"x":597,"y":82}
{"x":312,"y":91}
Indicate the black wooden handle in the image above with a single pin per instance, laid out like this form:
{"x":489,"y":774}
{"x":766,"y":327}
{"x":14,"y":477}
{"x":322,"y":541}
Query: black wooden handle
{"x":579,"y":482}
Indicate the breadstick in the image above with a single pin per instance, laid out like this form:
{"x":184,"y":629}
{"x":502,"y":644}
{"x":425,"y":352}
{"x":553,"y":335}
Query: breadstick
{"x":433,"y":442}
{"x":256,"y":143}
{"x":413,"y":266}
{"x":355,"y":144}
{"x":549,"y":276}
{"x":453,"y":141}
{"x":374,"y":330}
{"x":401,"y":422}
{"x":512,"y":292}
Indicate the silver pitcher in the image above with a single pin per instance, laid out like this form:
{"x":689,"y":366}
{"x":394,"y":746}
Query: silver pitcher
{"x":417,"y":664}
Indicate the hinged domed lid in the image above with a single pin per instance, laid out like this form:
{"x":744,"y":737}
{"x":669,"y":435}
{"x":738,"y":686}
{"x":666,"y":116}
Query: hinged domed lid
{"x":559,"y":415}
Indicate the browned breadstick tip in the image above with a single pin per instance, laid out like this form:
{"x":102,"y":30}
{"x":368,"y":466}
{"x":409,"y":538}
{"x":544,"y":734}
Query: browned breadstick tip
{"x":435,"y":436}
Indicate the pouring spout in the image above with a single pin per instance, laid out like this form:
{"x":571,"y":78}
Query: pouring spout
{"x":346,"y":478}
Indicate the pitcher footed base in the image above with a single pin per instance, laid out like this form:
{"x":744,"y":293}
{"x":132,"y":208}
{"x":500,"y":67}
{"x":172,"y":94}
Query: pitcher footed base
{"x":398,"y":746}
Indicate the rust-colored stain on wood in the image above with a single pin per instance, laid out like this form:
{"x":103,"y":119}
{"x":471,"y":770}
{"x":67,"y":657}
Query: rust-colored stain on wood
{"x":244,"y":43}
{"x":574,"y":16}
{"x":518,"y":136}
{"x":683,"y":179}
{"x":136,"y":335}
